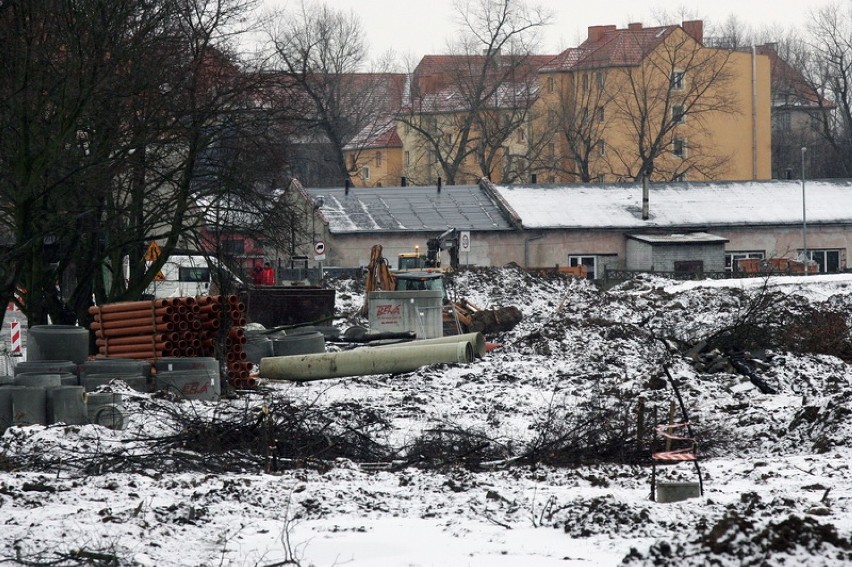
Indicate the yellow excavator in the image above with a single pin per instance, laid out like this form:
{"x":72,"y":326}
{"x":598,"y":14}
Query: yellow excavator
{"x":460,"y":316}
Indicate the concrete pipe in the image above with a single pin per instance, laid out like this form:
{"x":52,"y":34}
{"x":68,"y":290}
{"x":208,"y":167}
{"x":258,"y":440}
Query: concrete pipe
{"x":58,"y":342}
{"x":38,"y":379}
{"x":476,"y":340}
{"x":5,"y":408}
{"x":46,"y":366}
{"x":196,"y":384}
{"x":67,"y":404}
{"x":363,"y":361}
{"x":306,"y":343}
{"x":29,"y":405}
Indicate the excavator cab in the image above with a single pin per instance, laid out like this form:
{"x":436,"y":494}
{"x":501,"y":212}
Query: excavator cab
{"x":421,"y":281}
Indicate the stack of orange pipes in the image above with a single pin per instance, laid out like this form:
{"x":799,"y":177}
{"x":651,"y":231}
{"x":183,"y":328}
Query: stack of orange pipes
{"x":178,"y":326}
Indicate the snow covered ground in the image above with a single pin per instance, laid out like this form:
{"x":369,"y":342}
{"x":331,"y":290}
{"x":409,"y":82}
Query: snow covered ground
{"x":525,"y":457}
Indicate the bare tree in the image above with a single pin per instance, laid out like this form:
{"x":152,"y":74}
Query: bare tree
{"x":579,"y":115}
{"x":663,"y":99}
{"x":325,"y":89}
{"x":828,"y":69}
{"x":108,"y":108}
{"x":471,"y":112}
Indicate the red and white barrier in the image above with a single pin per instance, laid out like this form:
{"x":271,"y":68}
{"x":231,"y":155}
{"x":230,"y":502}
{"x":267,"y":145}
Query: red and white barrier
{"x":15,"y":337}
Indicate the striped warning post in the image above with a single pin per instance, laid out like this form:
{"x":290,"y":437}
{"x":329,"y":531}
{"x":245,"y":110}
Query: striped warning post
{"x":15,"y":337}
{"x":679,"y":455}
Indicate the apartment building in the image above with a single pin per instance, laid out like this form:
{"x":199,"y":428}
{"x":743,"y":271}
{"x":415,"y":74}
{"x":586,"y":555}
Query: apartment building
{"x":626,"y":103}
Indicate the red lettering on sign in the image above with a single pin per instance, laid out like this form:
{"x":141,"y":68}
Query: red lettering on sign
{"x":388,"y":310}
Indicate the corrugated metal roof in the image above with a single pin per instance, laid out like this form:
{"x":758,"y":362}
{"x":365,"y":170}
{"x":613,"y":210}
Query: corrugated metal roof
{"x":415,"y":209}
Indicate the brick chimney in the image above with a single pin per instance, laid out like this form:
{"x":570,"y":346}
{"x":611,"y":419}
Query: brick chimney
{"x":597,"y":32}
{"x":635,"y":26}
{"x":694,"y":28}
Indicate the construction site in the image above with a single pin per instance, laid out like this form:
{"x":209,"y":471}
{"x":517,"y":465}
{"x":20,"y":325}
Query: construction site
{"x":655,"y":423}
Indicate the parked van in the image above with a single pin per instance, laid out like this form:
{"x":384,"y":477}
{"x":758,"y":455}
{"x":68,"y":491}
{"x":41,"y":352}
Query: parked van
{"x":183,"y":276}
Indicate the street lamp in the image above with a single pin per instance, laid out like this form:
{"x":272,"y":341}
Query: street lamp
{"x":804,"y":214}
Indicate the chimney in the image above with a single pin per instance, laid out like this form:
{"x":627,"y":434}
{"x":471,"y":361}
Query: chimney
{"x":403,"y":181}
{"x":439,"y":184}
{"x":346,"y":184}
{"x":635,"y":26}
{"x":695,"y":28}
{"x":597,"y":32}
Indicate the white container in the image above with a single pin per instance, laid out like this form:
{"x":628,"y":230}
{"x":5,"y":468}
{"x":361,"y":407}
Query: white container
{"x":419,"y":312}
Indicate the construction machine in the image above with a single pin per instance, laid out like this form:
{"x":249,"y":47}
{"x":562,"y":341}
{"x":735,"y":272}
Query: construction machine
{"x":448,"y":241}
{"x":460,"y":315}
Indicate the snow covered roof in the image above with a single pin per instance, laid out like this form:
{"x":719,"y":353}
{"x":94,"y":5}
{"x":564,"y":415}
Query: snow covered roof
{"x":691,"y":238}
{"x":674,"y":205}
{"x":413,"y":208}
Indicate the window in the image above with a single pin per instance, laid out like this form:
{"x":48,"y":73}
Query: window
{"x":550,"y":84}
{"x":233,"y":246}
{"x":521,"y":135}
{"x":600,"y":76}
{"x":677,"y":81}
{"x":601,"y":177}
{"x":678,"y":114}
{"x":407,"y":157}
{"x":551,"y":150}
{"x":601,"y":114}
{"x":585,"y":82}
{"x":193,"y":274}
{"x":782,"y":121}
{"x":680,"y":178}
{"x":827,"y":260}
{"x":731,"y":259}
{"x":378,"y":159}
{"x":365,"y":173}
{"x":679,"y":147}
{"x":589,"y":261}
{"x":601,"y":148}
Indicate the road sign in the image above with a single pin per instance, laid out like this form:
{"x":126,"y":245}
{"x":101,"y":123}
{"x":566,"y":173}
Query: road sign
{"x":15,"y":338}
{"x":464,"y":241}
{"x":153,"y":252}
{"x":319,"y":250}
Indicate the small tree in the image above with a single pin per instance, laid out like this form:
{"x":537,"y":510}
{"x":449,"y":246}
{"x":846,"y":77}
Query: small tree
{"x":471,"y":115}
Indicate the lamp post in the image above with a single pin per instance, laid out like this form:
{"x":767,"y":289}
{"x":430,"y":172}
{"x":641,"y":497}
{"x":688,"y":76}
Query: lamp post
{"x":804,"y":215}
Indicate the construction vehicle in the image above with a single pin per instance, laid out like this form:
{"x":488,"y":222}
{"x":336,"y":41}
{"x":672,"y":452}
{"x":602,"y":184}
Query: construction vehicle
{"x":460,"y":316}
{"x":448,"y":241}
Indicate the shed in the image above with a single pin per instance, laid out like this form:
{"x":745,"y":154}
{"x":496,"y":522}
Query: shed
{"x":695,"y":252}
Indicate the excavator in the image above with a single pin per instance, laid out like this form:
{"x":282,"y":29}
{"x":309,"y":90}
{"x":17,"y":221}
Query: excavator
{"x":460,"y":316}
{"x":448,"y":241}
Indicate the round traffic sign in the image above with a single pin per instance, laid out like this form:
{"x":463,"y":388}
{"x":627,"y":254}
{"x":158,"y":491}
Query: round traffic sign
{"x":319,"y":247}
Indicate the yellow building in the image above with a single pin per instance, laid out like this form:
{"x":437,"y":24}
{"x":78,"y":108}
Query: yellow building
{"x":656,"y":100}
{"x":626,"y":103}
{"x":374,"y":160}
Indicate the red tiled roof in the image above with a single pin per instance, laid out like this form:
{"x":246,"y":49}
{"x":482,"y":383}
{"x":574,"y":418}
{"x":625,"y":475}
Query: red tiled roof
{"x":620,"y":47}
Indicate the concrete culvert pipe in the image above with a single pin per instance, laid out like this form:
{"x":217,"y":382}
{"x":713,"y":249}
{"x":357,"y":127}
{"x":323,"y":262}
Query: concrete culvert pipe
{"x":67,"y":404}
{"x":39,"y":379}
{"x":303,"y":343}
{"x":5,"y":408}
{"x":135,"y":381}
{"x":29,"y":405}
{"x":58,"y":342}
{"x":476,"y":340}
{"x":46,"y":366}
{"x":364,"y":361}
{"x":105,"y":409}
{"x":197,"y":384}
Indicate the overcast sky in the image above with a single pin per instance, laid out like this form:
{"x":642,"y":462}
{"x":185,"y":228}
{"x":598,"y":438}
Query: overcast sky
{"x":420,"y":27}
